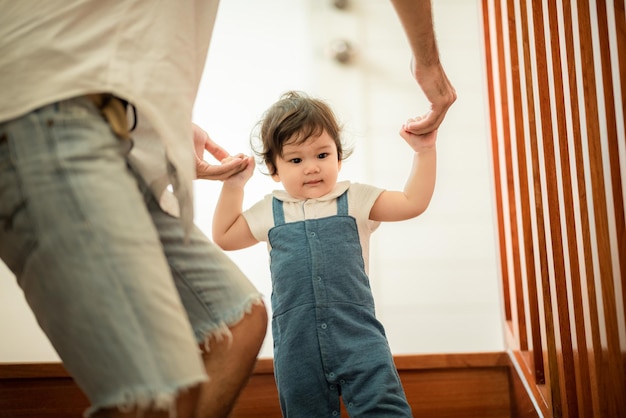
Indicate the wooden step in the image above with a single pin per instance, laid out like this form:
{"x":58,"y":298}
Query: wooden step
{"x":465,"y":385}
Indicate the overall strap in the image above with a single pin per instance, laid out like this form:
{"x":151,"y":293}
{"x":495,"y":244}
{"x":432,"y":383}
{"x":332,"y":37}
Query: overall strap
{"x":342,"y":204}
{"x":277,"y":210}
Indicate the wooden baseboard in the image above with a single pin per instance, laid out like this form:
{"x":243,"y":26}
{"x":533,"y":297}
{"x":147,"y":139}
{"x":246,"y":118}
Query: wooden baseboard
{"x":39,"y":390}
{"x":467,"y":385}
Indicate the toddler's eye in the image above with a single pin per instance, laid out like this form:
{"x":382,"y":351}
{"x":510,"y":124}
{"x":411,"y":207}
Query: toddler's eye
{"x":296,"y":160}
{"x":322,"y":155}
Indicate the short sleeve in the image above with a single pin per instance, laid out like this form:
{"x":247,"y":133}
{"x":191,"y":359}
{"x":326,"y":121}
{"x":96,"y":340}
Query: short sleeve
{"x":361,"y":198}
{"x":260,"y":219}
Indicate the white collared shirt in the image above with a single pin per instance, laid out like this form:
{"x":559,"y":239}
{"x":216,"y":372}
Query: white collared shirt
{"x":150,"y":53}
{"x":361,"y":198}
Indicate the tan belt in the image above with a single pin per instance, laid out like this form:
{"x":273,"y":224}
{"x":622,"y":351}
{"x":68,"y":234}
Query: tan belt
{"x":113,"y":110}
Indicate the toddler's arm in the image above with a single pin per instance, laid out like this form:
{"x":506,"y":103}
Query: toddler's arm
{"x":413,"y":201}
{"x":230,"y":229}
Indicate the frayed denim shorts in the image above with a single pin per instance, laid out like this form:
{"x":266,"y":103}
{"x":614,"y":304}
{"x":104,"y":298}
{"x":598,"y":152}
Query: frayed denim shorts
{"x":125,"y":301}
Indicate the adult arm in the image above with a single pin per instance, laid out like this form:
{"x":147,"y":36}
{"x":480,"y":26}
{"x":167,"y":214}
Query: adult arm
{"x":417,"y":21}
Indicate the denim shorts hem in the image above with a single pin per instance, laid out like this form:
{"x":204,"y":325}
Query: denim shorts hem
{"x":142,"y":398}
{"x":221,"y":331}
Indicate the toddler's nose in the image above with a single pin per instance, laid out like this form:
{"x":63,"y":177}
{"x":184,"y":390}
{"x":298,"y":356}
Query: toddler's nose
{"x":312,"y":168}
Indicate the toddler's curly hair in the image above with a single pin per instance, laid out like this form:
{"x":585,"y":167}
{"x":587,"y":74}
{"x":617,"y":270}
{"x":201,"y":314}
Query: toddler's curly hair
{"x":293,"y":119}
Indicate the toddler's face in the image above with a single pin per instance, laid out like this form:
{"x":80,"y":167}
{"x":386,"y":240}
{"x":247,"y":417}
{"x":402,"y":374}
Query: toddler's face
{"x":309,"y":170}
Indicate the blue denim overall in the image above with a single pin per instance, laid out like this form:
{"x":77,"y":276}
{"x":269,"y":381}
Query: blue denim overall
{"x":327,"y":340}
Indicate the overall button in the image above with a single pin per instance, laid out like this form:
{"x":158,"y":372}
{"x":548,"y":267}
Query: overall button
{"x":324,"y":326}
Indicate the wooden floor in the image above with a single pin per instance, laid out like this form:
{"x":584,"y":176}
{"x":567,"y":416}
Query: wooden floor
{"x":475,"y":385}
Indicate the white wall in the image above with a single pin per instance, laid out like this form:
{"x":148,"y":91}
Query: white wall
{"x":435,"y":277}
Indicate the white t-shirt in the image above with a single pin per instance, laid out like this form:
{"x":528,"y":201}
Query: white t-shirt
{"x":149,"y":53}
{"x":361,"y":198}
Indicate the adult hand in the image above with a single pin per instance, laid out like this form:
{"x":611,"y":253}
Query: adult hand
{"x":229,"y":165}
{"x":439,"y":92}
{"x":416,"y":17}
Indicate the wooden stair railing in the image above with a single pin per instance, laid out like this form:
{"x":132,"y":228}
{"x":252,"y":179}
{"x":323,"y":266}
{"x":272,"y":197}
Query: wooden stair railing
{"x":556,"y":80}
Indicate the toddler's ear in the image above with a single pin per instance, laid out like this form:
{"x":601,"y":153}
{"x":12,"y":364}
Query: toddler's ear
{"x":271,"y":168}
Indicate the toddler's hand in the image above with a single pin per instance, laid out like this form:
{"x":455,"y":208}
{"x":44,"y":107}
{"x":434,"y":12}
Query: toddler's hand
{"x":418,"y":142}
{"x":241,"y":177}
